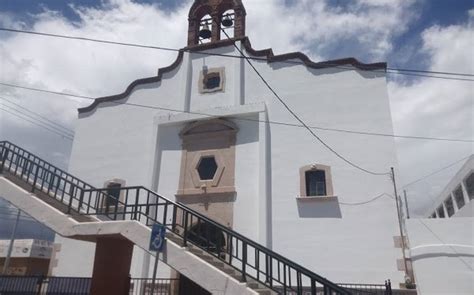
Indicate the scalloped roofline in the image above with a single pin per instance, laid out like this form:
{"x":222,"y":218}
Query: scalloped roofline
{"x":266,"y":53}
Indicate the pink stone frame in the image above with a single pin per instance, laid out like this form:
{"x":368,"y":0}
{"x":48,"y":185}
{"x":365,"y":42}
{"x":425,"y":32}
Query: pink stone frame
{"x":203,"y":139}
{"x":314,"y":167}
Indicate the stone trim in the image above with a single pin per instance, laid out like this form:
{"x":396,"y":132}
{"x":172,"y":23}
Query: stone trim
{"x":201,"y":139}
{"x":204,"y":184}
{"x":212,"y":71}
{"x":320,"y":199}
{"x":314,"y":167}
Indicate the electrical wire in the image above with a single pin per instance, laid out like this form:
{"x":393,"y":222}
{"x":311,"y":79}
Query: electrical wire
{"x":246,"y":119}
{"x":49,"y":125}
{"x":409,"y":72}
{"x":36,"y":121}
{"x":300,"y":120}
{"x":435,"y":172}
{"x":368,"y":201}
{"x":36,"y":124}
{"x":38,"y":115}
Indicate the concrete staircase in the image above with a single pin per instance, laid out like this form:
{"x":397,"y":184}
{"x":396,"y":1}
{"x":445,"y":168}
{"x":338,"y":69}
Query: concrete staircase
{"x":71,"y":208}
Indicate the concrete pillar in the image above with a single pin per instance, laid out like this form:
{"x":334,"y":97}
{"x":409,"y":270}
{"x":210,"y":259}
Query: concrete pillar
{"x":113,"y":257}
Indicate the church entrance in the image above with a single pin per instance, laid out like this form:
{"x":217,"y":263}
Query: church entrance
{"x":209,"y":237}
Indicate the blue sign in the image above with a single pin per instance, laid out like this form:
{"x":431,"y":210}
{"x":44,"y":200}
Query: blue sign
{"x":157,"y":240}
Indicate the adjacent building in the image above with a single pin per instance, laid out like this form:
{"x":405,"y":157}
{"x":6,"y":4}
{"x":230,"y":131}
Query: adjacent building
{"x":456,"y":199}
{"x":28,"y":257}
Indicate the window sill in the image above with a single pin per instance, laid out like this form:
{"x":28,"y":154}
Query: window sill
{"x":317,"y":199}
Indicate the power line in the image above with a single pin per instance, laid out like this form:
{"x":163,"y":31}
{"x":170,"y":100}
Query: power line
{"x":436,"y":172}
{"x":36,"y":124}
{"x":38,"y":115}
{"x":247,"y":119}
{"x":39,"y":122}
{"x":299,"y":119}
{"x":368,"y":201}
{"x":400,"y":71}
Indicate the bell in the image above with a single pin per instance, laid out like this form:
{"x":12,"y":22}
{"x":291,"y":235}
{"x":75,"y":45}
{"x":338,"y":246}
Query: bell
{"x":205,"y":33}
{"x":227,"y":21}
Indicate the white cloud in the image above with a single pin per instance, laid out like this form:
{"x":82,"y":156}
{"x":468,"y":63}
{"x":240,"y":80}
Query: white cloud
{"x":363,"y":28}
{"x":438,"y":108}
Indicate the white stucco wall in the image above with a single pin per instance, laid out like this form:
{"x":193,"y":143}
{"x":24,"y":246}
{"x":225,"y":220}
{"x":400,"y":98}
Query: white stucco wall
{"x":345,"y":243}
{"x":442,"y":252}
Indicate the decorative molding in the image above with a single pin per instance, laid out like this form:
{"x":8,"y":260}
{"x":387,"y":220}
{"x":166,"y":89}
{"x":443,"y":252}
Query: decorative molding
{"x":328,"y":178}
{"x":134,"y":84}
{"x":318,"y":199}
{"x":266,"y":53}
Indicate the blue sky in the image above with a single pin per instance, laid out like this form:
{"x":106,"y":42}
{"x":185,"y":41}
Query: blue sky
{"x":417,"y":34}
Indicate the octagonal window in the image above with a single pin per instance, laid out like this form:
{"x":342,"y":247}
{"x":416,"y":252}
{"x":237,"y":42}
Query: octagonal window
{"x":207,"y":168}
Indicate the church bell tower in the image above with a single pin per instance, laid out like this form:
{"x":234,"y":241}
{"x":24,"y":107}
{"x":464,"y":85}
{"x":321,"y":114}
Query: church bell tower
{"x":208,"y":18}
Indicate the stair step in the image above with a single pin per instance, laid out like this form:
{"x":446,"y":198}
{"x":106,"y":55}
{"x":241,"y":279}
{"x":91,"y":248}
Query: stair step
{"x":253,"y":285}
{"x":263,"y":291}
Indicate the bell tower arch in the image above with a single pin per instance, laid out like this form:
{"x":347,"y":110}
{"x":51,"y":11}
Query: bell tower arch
{"x":208,"y":17}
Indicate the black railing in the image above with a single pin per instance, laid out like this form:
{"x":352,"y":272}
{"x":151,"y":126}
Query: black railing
{"x":249,"y":258}
{"x":369,"y":289}
{"x":42,"y":285}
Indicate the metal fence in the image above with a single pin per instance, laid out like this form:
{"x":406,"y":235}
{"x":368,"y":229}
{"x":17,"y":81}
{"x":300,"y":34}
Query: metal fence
{"x":40,"y":285}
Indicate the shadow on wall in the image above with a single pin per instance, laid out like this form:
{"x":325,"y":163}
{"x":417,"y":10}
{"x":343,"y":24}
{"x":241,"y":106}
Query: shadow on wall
{"x":311,"y":208}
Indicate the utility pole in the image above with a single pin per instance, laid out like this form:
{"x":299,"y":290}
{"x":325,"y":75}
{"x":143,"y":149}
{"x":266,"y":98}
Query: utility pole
{"x":400,"y":223}
{"x":10,"y":247}
{"x":406,"y":204}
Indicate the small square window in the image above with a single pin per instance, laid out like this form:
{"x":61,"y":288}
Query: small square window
{"x":211,"y":80}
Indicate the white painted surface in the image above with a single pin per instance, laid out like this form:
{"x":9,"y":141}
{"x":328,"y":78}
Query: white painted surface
{"x":341,"y":242}
{"x":27,"y":248}
{"x":442,"y":251}
{"x":207,"y":276}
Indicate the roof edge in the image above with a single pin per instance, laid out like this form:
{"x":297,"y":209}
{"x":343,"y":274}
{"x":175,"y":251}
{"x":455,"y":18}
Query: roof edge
{"x":271,"y":58}
{"x":266,"y":53}
{"x":135,"y":83}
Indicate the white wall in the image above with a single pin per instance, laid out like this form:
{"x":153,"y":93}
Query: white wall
{"x":442,"y":251}
{"x":348,"y":244}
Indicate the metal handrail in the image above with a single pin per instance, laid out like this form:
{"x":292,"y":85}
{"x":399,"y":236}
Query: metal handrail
{"x":248,"y":257}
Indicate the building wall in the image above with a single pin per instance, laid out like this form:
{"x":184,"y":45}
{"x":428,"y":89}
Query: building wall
{"x":442,"y":252}
{"x":458,"y":181}
{"x":343,"y":242}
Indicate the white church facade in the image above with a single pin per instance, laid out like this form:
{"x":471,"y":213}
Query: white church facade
{"x":208,"y":132}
